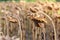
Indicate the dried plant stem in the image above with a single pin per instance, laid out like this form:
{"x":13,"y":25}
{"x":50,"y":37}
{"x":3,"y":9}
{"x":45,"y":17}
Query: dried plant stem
{"x":5,"y":28}
{"x":40,"y":34}
{"x":43,"y":29}
{"x":7,"y":24}
{"x":41,"y":12}
{"x":23,"y":31}
{"x":19,"y":22}
{"x":44,"y":33}
{"x":20,"y":31}
{"x":33,"y":34}
{"x":0,"y":25}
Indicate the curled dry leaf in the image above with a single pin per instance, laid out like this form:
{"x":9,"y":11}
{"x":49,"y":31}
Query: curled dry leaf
{"x":11,"y":19}
{"x":33,"y":10}
{"x":37,"y":17}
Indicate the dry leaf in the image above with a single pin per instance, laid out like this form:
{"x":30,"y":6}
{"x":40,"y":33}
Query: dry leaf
{"x":11,"y":19}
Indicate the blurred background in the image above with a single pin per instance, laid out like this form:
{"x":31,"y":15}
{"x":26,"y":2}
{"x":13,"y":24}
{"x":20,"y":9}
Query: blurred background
{"x":30,"y":0}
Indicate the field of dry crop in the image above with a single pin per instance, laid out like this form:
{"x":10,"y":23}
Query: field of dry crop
{"x":29,"y":21}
